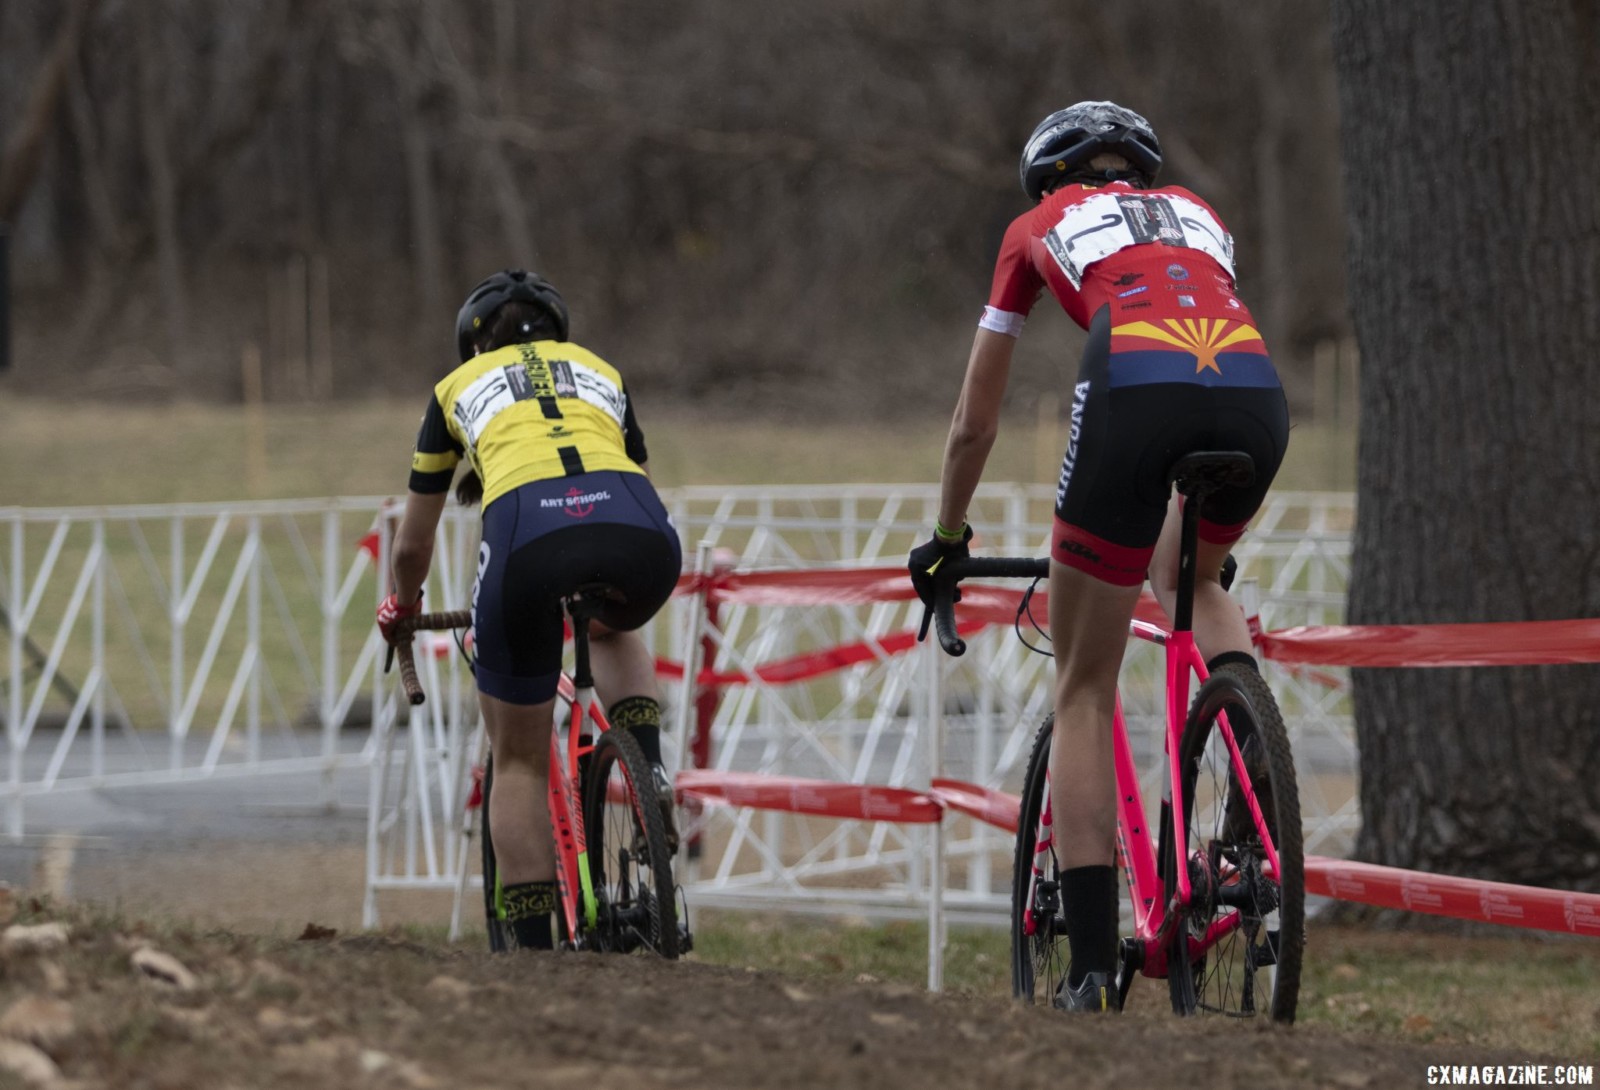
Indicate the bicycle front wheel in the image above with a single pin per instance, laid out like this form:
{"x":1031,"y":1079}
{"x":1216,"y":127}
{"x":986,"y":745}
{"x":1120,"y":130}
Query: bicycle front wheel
{"x":1040,"y":956}
{"x":629,"y":864}
{"x":1238,"y":951}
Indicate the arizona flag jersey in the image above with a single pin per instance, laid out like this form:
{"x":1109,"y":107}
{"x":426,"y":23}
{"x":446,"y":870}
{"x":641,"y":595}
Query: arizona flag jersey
{"x":1160,"y":260}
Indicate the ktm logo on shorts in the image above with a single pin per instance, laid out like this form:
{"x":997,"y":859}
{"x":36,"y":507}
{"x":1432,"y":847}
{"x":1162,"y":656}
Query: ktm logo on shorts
{"x":1078,"y":548}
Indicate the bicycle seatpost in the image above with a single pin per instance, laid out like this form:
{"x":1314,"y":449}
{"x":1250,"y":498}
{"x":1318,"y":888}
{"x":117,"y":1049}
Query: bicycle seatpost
{"x":1196,"y":477}
{"x":1188,"y":540}
{"x":583,"y":606}
{"x":582,"y":676}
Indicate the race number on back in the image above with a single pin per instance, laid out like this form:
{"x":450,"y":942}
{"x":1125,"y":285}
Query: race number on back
{"x":1098,"y":227}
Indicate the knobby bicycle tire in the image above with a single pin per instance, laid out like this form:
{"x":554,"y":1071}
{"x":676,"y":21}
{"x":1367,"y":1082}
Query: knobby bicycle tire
{"x":1263,"y":952}
{"x":1039,"y":962}
{"x":629,"y":864}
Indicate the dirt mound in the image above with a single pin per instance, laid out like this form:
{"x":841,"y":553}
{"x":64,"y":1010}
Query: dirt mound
{"x":96,"y":1002}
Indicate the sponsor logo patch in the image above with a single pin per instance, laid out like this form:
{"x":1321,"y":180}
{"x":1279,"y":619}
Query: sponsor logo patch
{"x":1186,"y":300}
{"x":1080,"y":400}
{"x":1177,"y":272}
{"x":1133,"y":291}
{"x":575,"y":504}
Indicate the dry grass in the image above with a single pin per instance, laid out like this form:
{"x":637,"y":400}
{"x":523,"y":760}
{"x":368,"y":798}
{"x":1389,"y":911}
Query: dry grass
{"x":98,"y":454}
{"x":1523,"y":991}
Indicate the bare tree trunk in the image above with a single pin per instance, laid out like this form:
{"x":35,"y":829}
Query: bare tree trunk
{"x":153,"y":116}
{"x":19,"y":163}
{"x":512,"y":200}
{"x":96,"y":187}
{"x":1271,"y":290}
{"x":1474,"y":268}
{"x":427,"y":248}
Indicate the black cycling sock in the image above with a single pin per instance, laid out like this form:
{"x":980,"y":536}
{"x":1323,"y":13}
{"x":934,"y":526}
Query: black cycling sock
{"x":1089,"y":898}
{"x":1228,"y":658}
{"x":641,"y":716}
{"x":528,"y":907}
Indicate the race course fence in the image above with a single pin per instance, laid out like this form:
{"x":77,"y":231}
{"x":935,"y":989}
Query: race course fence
{"x":159,"y":644}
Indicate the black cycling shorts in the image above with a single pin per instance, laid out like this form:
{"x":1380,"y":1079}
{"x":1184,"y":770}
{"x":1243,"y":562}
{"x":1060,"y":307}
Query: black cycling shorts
{"x":1126,"y":435}
{"x":540,"y":543}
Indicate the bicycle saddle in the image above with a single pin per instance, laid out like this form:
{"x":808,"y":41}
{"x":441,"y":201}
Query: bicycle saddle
{"x":589,"y":598}
{"x":1206,"y":471}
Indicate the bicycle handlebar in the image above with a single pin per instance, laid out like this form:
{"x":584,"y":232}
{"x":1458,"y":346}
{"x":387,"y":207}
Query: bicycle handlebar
{"x":951,"y":572}
{"x":407,"y":627}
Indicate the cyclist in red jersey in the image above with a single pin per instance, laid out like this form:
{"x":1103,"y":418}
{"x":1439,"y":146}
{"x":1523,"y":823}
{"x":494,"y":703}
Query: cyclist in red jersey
{"x":1173,"y":365}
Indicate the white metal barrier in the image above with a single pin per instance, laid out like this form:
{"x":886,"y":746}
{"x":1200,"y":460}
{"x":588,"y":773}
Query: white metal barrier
{"x":154,"y":644}
{"x":898,"y":720}
{"x":160,"y":644}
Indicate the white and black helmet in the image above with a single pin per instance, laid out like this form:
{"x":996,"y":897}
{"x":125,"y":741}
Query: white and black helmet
{"x":1067,"y":139}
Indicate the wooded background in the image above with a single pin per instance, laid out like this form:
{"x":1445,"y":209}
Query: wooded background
{"x":767,"y":205}
{"x":794,"y":208}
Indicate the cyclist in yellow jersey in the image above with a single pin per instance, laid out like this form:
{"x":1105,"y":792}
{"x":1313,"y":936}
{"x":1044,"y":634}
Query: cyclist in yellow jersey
{"x":558,"y":459}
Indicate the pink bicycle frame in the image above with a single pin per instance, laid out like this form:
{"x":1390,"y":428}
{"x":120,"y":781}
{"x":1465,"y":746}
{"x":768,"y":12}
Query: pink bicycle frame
{"x":1156,"y":910}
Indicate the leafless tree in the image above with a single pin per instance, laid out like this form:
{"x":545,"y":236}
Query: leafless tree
{"x":742,"y":199}
{"x":1474,"y":269}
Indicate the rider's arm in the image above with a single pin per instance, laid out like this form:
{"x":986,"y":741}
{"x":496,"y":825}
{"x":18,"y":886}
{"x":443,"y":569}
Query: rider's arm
{"x":433,"y":464}
{"x":633,"y":435}
{"x":975,"y":425}
{"x":413,"y":543}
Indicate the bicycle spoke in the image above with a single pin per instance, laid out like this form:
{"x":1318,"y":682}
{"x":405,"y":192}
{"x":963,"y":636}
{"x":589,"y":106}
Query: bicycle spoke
{"x":629,"y":865}
{"x":1237,"y":906}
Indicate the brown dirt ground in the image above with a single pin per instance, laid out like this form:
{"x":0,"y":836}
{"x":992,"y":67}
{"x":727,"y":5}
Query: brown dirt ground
{"x":381,"y":1010}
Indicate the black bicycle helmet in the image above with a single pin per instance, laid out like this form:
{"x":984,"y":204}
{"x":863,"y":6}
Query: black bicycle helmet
{"x":511,"y":285}
{"x":1068,"y":139}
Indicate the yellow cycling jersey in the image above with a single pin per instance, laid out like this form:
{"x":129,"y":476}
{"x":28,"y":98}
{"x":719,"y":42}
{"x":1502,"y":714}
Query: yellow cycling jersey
{"x":524,"y":413}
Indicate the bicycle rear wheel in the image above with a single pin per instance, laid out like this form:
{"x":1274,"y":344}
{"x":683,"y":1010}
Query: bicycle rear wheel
{"x":629,"y":863}
{"x":1239,"y":950}
{"x":1040,"y":956}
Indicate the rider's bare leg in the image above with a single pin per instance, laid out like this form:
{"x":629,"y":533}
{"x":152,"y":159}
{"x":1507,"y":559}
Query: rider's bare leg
{"x":623,"y":665}
{"x":1088,"y":622}
{"x":519,"y":815}
{"x":1088,"y":626}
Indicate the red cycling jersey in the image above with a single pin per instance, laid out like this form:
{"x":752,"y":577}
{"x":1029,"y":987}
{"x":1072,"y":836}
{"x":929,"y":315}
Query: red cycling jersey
{"x":1173,"y":363}
{"x":1149,"y":254}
